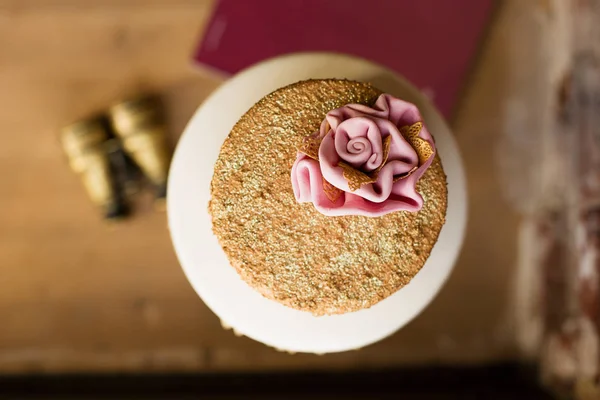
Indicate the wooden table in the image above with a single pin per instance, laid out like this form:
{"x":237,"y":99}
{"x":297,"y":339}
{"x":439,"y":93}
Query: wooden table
{"x":78,"y":294}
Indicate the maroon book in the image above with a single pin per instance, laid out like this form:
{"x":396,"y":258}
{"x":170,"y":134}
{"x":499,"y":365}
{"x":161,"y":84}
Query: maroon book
{"x":430,"y":42}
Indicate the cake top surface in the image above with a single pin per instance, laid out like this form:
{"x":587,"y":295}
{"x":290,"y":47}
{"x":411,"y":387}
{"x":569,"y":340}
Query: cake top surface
{"x":289,"y":251}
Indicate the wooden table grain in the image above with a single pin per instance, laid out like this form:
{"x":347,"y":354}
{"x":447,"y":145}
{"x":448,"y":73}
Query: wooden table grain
{"x":78,"y":294}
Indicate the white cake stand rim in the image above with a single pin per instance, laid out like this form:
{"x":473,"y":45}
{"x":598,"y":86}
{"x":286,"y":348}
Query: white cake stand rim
{"x":187,"y":238}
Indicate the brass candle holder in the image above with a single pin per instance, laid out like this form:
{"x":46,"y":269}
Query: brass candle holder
{"x":140,"y":126}
{"x":84,"y":143}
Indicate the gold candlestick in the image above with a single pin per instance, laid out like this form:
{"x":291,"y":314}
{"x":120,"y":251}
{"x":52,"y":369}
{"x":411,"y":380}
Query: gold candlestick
{"x":140,"y":126}
{"x":84,"y":143}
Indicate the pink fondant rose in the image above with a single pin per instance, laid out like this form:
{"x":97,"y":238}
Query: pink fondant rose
{"x":365,"y":160}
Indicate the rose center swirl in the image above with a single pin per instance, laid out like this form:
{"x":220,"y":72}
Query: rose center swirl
{"x":359,"y":146}
{"x":358,"y":150}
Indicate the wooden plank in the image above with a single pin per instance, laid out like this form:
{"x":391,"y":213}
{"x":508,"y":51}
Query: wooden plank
{"x":77,"y":292}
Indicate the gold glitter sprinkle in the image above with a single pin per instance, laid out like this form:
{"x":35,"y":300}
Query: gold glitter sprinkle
{"x":290,"y":252}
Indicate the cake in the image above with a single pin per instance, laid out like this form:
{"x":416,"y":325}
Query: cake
{"x":314,"y":228}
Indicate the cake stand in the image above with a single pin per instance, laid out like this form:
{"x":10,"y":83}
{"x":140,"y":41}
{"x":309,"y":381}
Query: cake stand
{"x":238,"y":305}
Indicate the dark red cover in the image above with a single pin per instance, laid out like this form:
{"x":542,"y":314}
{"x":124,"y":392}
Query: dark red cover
{"x":431,"y":42}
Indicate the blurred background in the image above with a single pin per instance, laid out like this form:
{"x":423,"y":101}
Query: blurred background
{"x":84,"y":296}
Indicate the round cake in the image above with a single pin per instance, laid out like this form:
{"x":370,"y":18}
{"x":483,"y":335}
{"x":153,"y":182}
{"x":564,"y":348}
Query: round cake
{"x":284,"y":238}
